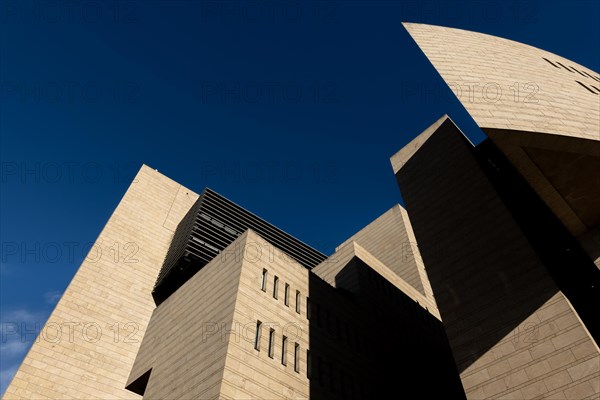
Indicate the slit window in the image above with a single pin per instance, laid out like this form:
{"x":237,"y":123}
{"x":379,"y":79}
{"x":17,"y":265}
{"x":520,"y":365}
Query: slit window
{"x":271,"y":342}
{"x":591,"y":76}
{"x":286,"y":295}
{"x":263,"y":284}
{"x":298,"y":299}
{"x":587,"y":88}
{"x":551,"y":63}
{"x":564,"y":66}
{"x":308,"y":364}
{"x":308,"y":307}
{"x":284,"y":350}
{"x":573,"y":68}
{"x":257,"y":335}
{"x":296,"y":357}
{"x":275,"y":287}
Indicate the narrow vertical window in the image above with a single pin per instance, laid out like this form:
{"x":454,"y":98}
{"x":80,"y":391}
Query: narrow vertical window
{"x":593,"y":77}
{"x":564,"y":66}
{"x":586,"y":88}
{"x":263,"y":284}
{"x":271,"y":342}
{"x":257,"y":335}
{"x":298,"y":297}
{"x":284,"y":350}
{"x":296,"y":357}
{"x":579,"y":72}
{"x":275,"y":287}
{"x":308,"y":307}
{"x":308,"y":364}
{"x":551,"y":63}
{"x":286,"y":295}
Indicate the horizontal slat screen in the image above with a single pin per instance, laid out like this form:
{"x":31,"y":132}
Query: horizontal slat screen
{"x":211,"y":225}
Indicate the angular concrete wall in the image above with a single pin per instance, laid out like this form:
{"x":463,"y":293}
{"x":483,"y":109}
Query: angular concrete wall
{"x":91,"y":357}
{"x":250,"y":373}
{"x":200,"y":341}
{"x":186,"y":345}
{"x":540,"y":110}
{"x":390,"y":239}
{"x":513,"y":333}
{"x":330,"y":269}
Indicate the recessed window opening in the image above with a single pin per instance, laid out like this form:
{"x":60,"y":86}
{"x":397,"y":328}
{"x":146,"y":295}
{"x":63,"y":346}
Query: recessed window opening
{"x":271,"y":342}
{"x":263,"y":283}
{"x":257,"y":335}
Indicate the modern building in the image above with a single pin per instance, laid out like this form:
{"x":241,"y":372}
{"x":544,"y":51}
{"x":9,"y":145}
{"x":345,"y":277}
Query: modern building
{"x":509,"y":230}
{"x":268,"y":317}
{"x":233,"y":307}
{"x":482,"y":287}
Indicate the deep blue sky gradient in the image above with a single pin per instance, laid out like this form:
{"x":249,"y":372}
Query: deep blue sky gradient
{"x":290,"y":109}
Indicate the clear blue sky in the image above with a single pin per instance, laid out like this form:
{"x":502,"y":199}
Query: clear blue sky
{"x":290,"y":109}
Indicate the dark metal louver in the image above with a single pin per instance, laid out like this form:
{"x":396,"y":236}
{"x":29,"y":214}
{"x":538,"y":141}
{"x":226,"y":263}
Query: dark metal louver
{"x":211,"y":225}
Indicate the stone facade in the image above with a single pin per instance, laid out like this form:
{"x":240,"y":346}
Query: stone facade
{"x":103,"y":314}
{"x":513,"y":333}
{"x":202,"y":340}
{"x":474,"y":295}
{"x":508,"y":85}
{"x":540,"y":109}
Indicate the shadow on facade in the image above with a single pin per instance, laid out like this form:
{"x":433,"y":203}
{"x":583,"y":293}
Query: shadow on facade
{"x":489,"y":246}
{"x":369,"y":340}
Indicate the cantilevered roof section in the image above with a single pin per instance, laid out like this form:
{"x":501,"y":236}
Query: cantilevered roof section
{"x":504,"y":84}
{"x":540,"y":109}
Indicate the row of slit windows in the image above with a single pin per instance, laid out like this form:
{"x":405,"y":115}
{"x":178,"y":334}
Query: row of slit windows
{"x":590,"y":88}
{"x":324,"y":373}
{"x":314,"y":312}
{"x":286,"y":290}
{"x":271,"y":346}
{"x":341,"y":330}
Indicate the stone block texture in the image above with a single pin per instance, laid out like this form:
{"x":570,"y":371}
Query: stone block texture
{"x":330,"y":271}
{"x":508,"y":85}
{"x":513,"y":333}
{"x":390,"y":239}
{"x":541,"y":110}
{"x":201,"y":341}
{"x":93,"y":335}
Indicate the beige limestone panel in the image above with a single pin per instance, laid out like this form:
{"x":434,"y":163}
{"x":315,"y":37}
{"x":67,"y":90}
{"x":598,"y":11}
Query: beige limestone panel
{"x":504,"y":84}
{"x":251,"y":373}
{"x":391,"y":240}
{"x":330,"y":268}
{"x":489,"y":281}
{"x":103,"y":314}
